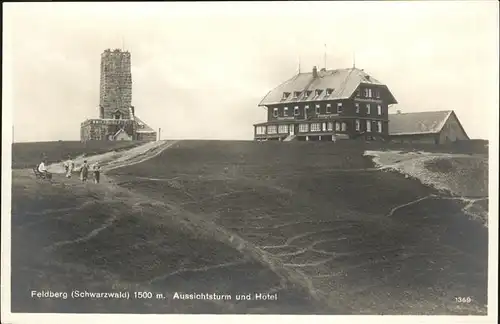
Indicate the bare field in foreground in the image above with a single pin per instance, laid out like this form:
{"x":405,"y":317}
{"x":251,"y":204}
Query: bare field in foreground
{"x":316,"y":223}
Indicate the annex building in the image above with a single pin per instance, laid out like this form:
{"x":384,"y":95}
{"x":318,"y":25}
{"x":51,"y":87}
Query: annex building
{"x":117,"y":117}
{"x":437,"y":127}
{"x":326,"y":105}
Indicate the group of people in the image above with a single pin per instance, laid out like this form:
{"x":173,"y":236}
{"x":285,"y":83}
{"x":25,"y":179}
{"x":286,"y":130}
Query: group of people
{"x":69,"y":166}
{"x":86,"y":168}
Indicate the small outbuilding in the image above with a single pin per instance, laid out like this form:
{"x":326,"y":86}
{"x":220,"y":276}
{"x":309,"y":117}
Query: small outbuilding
{"x":436,"y":127}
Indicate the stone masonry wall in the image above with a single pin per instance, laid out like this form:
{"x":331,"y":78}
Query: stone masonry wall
{"x":115,"y":84}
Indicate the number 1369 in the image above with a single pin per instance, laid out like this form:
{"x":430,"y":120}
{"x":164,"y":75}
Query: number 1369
{"x":463,"y":300}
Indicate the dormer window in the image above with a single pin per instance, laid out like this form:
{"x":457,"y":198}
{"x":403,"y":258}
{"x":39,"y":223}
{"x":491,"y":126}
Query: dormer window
{"x":307,"y":94}
{"x":296,"y":94}
{"x":286,"y":95}
{"x":318,"y":92}
{"x":329,"y":91}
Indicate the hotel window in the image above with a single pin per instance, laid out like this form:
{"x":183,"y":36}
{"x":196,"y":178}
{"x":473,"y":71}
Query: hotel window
{"x":315,"y":127}
{"x":344,"y":126}
{"x":366,"y":93}
{"x":271,"y":129}
{"x":377,"y":93}
{"x":324,"y":127}
{"x":358,"y":125}
{"x":261,"y":130}
{"x":330,"y":126}
{"x":285,"y":111}
{"x":275,"y":112}
{"x":358,"y":93}
{"x":296,"y":111}
{"x":282,"y":129}
{"x":368,"y":126}
{"x":337,"y":126}
{"x":379,"y":109}
{"x":369,"y":93}
{"x":306,"y":111}
{"x":357,"y":107}
{"x":379,"y":126}
{"x":368,"y":107}
{"x":328,"y":110}
{"x":285,"y":95}
{"x":339,"y":107}
{"x":317,"y":110}
{"x":303,"y":128}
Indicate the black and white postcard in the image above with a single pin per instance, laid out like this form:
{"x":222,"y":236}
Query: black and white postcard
{"x":167,"y":159}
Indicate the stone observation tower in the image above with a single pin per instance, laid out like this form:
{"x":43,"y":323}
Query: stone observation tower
{"x":117,"y":119}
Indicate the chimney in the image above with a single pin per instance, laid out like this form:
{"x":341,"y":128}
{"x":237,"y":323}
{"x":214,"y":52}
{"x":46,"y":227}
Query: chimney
{"x":315,"y":72}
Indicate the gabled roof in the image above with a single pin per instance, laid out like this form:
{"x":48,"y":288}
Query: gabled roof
{"x":343,"y":82}
{"x":142,"y":126}
{"x":121,"y":130}
{"x":428,"y":122}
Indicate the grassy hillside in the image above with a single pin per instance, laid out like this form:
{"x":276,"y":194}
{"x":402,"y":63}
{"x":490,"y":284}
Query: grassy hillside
{"x":314,"y":222}
{"x":27,"y":155}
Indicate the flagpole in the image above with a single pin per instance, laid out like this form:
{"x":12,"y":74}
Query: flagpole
{"x":325,"y":57}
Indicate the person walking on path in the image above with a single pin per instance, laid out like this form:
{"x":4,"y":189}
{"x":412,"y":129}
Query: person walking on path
{"x":69,"y":165}
{"x":84,"y":171}
{"x":97,"y":172}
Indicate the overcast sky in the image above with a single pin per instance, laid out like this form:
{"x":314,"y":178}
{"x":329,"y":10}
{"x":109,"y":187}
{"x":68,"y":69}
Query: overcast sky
{"x":200,"y":69}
